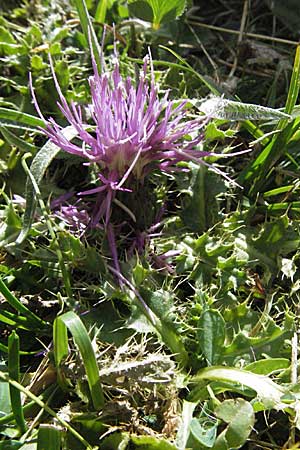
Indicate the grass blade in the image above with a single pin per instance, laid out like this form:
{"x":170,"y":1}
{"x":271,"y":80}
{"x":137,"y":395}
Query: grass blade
{"x":88,"y":29}
{"x":100,"y":14}
{"x":16,"y":304}
{"x":14,"y":373}
{"x":16,"y":141}
{"x":15,"y":320}
{"x":5,"y":377}
{"x":20,"y":117}
{"x":61,"y":349}
{"x":82,"y":340}
{"x":254,"y":176}
{"x":4,"y":349}
{"x":38,"y":167}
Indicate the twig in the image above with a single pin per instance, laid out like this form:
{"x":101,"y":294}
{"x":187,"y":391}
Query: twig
{"x":240,"y":37}
{"x":249,"y":35}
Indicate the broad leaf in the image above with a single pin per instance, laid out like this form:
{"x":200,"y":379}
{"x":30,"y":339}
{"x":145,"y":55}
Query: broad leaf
{"x":268,"y":393}
{"x":239,"y":414}
{"x":204,"y":431}
{"x":212,"y":335}
{"x":157,"y":11}
{"x":49,"y":436}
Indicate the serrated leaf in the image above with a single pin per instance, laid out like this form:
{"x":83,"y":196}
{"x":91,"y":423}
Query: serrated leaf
{"x":212,"y":132}
{"x":200,"y":208}
{"x":221,"y":108}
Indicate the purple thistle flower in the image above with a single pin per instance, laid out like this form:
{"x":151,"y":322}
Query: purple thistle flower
{"x":133,"y":132}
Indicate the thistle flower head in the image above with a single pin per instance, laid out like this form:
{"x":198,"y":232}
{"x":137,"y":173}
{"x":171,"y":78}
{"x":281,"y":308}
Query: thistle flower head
{"x":131,"y":131}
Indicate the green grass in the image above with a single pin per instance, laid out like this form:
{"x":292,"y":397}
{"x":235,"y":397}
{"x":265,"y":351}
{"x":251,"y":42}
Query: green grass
{"x":192,"y":351}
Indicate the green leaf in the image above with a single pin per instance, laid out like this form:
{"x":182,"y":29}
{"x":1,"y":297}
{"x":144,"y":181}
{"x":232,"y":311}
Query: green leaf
{"x":37,"y":62}
{"x":184,"y":429}
{"x":19,"y":117}
{"x":200,"y":205}
{"x":268,"y":392}
{"x":8,"y":44}
{"x":16,"y":141}
{"x":211,"y":335}
{"x":151,"y":443}
{"x":16,"y":304}
{"x":14,"y":373}
{"x":38,"y":167}
{"x":161,"y":303}
{"x":222,"y":108}
{"x":100,"y":13}
{"x":88,"y":30}
{"x":204,"y":431}
{"x":49,"y":437}
{"x":11,"y":225}
{"x":5,"y":404}
{"x":268,"y":366}
{"x":157,"y":11}
{"x":81,"y":338}
{"x":239,"y":414}
{"x":116,"y":440}
{"x":212,"y":132}
{"x":63,"y":74}
{"x":11,"y":445}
